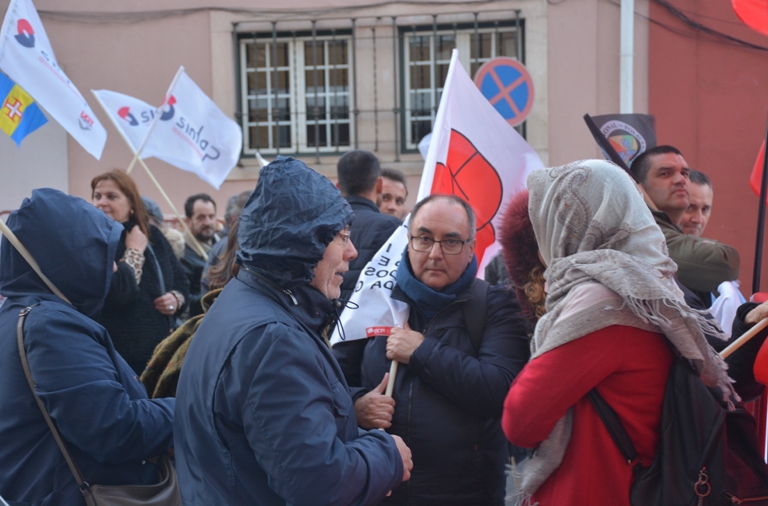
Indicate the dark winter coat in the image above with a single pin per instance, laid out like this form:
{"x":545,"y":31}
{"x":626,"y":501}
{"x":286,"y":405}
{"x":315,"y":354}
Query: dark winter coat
{"x":101,"y":410}
{"x":264,"y":414}
{"x":741,"y":362}
{"x":368,"y":233}
{"x":194,"y":265}
{"x":449,"y":400}
{"x":129,"y":314}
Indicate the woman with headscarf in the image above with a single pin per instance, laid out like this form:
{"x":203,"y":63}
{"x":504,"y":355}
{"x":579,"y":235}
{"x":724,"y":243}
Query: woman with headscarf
{"x":149,"y":288}
{"x":611,"y":300}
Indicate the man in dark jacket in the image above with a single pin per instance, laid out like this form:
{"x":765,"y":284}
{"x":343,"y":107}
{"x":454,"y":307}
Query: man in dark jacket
{"x":702,"y":264}
{"x":92,"y":395}
{"x":199,"y":238}
{"x":457,"y":359}
{"x":360,"y":183}
{"x":264,"y":414}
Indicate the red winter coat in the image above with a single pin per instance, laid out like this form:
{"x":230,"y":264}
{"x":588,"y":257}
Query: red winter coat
{"x":629,"y":367}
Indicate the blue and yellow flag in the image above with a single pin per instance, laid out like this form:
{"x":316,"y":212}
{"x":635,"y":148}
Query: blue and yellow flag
{"x":19,"y":115}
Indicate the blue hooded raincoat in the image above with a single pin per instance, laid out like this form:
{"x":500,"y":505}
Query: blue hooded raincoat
{"x":93,"y":396}
{"x":263,"y":413}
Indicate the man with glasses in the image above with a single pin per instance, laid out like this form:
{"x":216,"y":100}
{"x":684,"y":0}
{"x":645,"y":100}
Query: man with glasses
{"x":458,"y":353}
{"x":265,"y":416}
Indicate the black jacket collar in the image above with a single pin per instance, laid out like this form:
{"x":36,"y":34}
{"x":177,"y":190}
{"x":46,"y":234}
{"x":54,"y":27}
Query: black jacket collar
{"x":358,"y":203}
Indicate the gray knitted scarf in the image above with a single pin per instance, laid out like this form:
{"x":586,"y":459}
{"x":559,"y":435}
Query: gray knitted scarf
{"x":607,"y":265}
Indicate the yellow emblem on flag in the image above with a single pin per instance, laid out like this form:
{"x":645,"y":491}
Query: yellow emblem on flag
{"x":13,"y":109}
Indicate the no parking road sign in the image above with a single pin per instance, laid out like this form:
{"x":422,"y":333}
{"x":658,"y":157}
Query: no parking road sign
{"x":506,"y":83}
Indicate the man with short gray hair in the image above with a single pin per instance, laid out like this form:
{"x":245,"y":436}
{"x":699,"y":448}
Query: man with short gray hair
{"x":462,"y":346}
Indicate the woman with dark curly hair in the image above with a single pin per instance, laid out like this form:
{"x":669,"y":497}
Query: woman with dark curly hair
{"x":149,"y":287}
{"x":521,"y":257}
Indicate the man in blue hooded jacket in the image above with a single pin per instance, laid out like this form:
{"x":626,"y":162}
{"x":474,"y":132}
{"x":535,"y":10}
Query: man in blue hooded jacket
{"x":90,"y":392}
{"x":264,"y":414}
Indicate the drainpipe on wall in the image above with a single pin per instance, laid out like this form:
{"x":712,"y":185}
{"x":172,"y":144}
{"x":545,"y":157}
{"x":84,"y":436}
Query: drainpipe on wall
{"x":627,"y":56}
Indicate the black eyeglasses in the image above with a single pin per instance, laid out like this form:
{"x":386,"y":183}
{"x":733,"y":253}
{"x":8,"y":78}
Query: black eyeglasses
{"x":448,"y":246}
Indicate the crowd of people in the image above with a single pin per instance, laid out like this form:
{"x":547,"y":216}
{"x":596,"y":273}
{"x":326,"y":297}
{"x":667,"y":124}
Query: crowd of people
{"x":212,"y":345}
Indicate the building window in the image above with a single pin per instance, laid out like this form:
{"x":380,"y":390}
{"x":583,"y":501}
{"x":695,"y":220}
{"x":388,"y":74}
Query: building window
{"x":296,"y":94}
{"x":426,"y":56}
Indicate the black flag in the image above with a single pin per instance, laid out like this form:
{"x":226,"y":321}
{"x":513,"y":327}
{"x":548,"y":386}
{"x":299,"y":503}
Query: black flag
{"x":627,"y":134}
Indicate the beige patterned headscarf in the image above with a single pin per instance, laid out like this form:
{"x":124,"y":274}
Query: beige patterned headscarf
{"x":607,"y":264}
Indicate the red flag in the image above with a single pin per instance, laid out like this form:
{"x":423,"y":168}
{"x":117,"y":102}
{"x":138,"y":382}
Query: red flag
{"x":754,"y":14}
{"x":757,"y":171}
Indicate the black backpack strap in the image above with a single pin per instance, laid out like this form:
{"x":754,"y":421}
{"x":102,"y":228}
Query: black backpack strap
{"x":614,"y":426}
{"x":475,"y":311}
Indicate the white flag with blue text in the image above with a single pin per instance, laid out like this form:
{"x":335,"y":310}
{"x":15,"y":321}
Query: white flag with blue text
{"x":27,"y":57}
{"x":193,"y":134}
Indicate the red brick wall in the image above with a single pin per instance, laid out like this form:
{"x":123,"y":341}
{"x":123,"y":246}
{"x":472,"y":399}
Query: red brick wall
{"x":710,"y":99}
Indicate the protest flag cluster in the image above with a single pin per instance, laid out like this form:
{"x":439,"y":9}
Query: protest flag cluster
{"x":27,"y":58}
{"x":473,"y":154}
{"x":188,"y":130}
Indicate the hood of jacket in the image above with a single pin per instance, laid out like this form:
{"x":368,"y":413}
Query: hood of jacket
{"x":73,"y":243}
{"x":288,"y":221}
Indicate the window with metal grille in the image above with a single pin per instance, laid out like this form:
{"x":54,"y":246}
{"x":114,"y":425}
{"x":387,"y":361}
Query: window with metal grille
{"x":296,"y":94}
{"x":426,"y":54}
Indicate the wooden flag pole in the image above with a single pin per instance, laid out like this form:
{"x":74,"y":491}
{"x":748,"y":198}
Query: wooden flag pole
{"x":184,"y":225}
{"x":760,"y":222}
{"x":738,"y":343}
{"x":190,"y":235}
{"x":7,"y":232}
{"x":392,"y":376}
{"x":154,"y":120}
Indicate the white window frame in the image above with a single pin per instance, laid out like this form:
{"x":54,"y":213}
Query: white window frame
{"x":297,"y":95}
{"x":464,"y":39}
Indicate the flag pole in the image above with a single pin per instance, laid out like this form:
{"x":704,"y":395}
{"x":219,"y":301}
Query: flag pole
{"x":392,"y":376}
{"x":154,"y":121}
{"x":760,"y":222}
{"x":738,"y":343}
{"x":184,"y":225}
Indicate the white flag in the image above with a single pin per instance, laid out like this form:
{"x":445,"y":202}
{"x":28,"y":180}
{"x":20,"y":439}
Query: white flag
{"x":192,"y":133}
{"x":132,"y":117}
{"x":27,"y":58}
{"x":474,"y":154}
